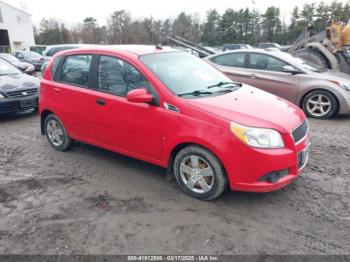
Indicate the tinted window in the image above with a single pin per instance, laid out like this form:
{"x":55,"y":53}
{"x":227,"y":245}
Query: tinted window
{"x":265,"y":62}
{"x":232,"y":60}
{"x":75,"y":70}
{"x":119,"y":77}
{"x":54,"y":68}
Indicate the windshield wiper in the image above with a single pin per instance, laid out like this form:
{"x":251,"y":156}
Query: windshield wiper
{"x":223,"y":83}
{"x":196,"y":93}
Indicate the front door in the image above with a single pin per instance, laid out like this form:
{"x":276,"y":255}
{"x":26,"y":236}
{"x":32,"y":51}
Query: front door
{"x":265,"y":72}
{"x":131,"y":128}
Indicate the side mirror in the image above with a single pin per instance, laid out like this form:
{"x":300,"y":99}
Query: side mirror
{"x":290,"y":69}
{"x":139,"y":96}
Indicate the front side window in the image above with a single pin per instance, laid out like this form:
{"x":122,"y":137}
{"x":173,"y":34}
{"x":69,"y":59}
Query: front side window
{"x":119,"y":77}
{"x":265,"y":62}
{"x":75,"y":70}
{"x":231,"y":60}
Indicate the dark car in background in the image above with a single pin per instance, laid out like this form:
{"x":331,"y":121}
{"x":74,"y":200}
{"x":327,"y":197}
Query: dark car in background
{"x":51,"y":50}
{"x":235,"y":46}
{"x":23,"y":66}
{"x":270,"y":45}
{"x":30,"y":57}
{"x":18,"y":91}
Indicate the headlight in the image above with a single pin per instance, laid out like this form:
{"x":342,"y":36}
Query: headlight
{"x":2,"y":96}
{"x":345,"y":86}
{"x":30,"y":68}
{"x":257,"y":137}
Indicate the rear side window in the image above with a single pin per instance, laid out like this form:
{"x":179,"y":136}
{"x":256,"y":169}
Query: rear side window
{"x":75,"y":70}
{"x":265,"y":62}
{"x":231,"y":60}
{"x":54,"y":68}
{"x":119,"y":77}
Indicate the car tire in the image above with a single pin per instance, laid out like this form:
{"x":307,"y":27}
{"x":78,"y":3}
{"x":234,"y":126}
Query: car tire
{"x":207,"y":169}
{"x":57,"y":134}
{"x":320,"y":104}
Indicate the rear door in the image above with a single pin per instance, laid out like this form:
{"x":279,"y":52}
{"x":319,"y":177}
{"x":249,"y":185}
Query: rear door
{"x":265,"y":72}
{"x":131,"y":128}
{"x":232,"y":65}
{"x":71,"y":96}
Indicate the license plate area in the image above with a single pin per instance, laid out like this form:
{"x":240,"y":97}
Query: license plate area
{"x":25,"y":103}
{"x":303,"y":156}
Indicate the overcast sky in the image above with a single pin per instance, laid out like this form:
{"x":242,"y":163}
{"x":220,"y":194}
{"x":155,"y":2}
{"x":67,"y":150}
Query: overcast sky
{"x":72,"y":11}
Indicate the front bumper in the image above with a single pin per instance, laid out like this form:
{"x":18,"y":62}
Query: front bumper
{"x":288,"y":162}
{"x":14,"y":105}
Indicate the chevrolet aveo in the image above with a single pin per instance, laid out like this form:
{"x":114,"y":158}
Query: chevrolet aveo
{"x":171,"y":109}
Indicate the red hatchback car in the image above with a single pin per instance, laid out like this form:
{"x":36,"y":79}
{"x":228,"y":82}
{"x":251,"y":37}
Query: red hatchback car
{"x":171,"y":109}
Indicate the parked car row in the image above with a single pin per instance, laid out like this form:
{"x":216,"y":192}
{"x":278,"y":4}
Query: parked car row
{"x":23,"y":66}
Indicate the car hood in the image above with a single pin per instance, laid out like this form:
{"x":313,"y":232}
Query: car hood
{"x":331,"y":75}
{"x":250,"y":106}
{"x":20,"y":64}
{"x":18,"y":82}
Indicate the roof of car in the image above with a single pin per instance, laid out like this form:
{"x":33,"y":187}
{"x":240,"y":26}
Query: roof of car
{"x":132,"y":49}
{"x":274,"y":51}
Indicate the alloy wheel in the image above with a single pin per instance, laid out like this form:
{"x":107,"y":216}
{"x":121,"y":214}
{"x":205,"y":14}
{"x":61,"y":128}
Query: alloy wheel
{"x":55,"y":132}
{"x":197,"y":174}
{"x":319,"y":105}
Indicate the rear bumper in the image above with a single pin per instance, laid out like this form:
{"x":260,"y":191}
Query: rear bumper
{"x":19,"y":104}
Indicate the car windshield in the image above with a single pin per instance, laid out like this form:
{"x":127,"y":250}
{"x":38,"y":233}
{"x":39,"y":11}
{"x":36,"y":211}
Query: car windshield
{"x":7,"y":69}
{"x":309,"y":66}
{"x":183,"y":73}
{"x":8,"y":57}
{"x":31,"y":55}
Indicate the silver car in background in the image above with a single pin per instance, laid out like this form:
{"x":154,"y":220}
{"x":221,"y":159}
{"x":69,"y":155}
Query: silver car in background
{"x":319,"y":92}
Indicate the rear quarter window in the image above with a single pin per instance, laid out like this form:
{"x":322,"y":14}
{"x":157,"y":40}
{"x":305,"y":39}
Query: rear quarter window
{"x":55,"y":66}
{"x":75,"y":70}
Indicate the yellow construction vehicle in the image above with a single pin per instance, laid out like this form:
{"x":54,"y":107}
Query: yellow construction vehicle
{"x":329,"y":48}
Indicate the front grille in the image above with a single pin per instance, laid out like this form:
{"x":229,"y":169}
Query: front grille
{"x":9,"y":106}
{"x":22,"y":93}
{"x":18,"y":105}
{"x":300,"y":132}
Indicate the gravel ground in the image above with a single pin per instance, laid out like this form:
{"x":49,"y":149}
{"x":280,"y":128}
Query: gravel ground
{"x":91,"y":201}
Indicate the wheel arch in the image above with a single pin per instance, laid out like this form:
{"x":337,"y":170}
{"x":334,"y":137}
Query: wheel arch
{"x":178,"y":147}
{"x":43,"y":116}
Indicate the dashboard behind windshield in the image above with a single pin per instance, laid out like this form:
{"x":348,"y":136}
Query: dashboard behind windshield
{"x":182,"y":72}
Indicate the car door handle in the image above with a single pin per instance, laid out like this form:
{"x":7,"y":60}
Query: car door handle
{"x":252,"y":76}
{"x":57,"y":90}
{"x":100,"y":102}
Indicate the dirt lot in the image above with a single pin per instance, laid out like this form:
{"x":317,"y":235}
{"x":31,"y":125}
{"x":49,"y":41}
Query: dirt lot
{"x":91,"y":201}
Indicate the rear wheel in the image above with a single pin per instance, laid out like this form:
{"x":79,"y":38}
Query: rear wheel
{"x":320,"y":104}
{"x":56,"y":134}
{"x":199,"y":173}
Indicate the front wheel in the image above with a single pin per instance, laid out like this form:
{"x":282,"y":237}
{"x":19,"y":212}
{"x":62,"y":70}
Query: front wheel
{"x":199,"y":173}
{"x":320,"y":104}
{"x":56,"y":134}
